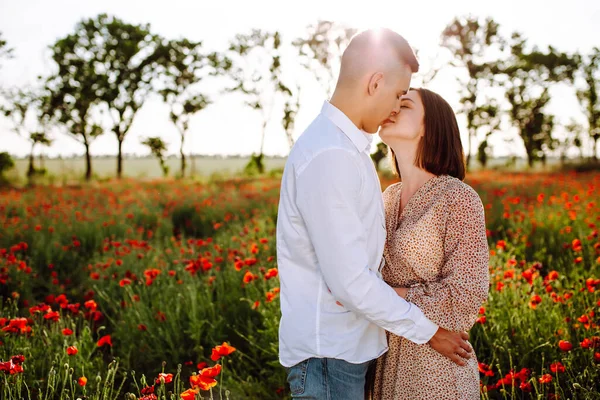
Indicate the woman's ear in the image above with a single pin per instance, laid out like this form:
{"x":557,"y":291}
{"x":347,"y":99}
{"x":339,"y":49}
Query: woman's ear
{"x":375,"y":83}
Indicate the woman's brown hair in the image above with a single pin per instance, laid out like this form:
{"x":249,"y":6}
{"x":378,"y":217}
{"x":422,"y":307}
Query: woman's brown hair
{"x":440,"y":150}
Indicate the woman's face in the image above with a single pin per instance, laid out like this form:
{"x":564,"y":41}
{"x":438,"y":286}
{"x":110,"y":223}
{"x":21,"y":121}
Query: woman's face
{"x":407,"y":125}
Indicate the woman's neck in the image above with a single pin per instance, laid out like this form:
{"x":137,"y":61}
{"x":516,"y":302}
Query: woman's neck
{"x":413,"y":177}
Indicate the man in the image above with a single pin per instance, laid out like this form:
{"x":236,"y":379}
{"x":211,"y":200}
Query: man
{"x":331,"y":233}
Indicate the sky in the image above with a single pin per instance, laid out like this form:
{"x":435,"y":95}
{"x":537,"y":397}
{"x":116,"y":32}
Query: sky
{"x":228,"y":126}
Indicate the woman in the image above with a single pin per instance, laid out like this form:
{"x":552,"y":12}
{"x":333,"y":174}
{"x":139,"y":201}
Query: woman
{"x":436,"y":251}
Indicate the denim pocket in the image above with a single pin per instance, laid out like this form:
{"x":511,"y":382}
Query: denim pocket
{"x":297,"y":377}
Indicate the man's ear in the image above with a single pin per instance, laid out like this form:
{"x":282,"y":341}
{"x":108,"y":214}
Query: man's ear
{"x":375,"y":83}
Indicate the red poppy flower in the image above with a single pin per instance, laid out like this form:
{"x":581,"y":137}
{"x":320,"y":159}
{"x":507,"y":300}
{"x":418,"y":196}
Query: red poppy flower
{"x":585,"y":321}
{"x":545,"y":378}
{"x":205,"y":380}
{"x":67,"y":332}
{"x":160,"y":316}
{"x":221,"y":351}
{"x":72,"y":350}
{"x":211,"y":372}
{"x":53,"y":315}
{"x":238,"y":265}
{"x":105,"y":340}
{"x":249,"y":277}
{"x":16,"y":369}
{"x":189,"y":394}
{"x":148,"y":390}
{"x":82,"y":381}
{"x":17,"y":325}
{"x":250,"y":261}
{"x":557,"y":367}
{"x":535,"y":300}
{"x":201,"y":365}
{"x":90,"y":305}
{"x":42,"y":308}
{"x":485,"y":369}
{"x":526,"y":387}
{"x":552,"y":276}
{"x":565,"y":345}
{"x":271,"y":273}
{"x":6,"y":367}
{"x":509,"y":379}
{"x":168,"y":378}
{"x":18,"y":359}
{"x":202,"y":382}
{"x":528,"y":276}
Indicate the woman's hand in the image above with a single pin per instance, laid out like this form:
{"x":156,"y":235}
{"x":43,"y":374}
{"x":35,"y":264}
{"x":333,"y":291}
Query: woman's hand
{"x":401,"y":291}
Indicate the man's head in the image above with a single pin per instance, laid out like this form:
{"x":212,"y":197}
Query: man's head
{"x":376,"y":69}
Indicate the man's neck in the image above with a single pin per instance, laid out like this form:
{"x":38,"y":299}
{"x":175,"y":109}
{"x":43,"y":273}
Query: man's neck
{"x":344,"y":103}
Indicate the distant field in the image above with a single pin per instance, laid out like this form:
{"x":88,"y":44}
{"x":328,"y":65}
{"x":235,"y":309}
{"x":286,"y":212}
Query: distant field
{"x":140,"y":167}
{"x":61,"y":170}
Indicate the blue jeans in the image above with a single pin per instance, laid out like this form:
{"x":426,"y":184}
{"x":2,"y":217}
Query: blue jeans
{"x":327,"y":379}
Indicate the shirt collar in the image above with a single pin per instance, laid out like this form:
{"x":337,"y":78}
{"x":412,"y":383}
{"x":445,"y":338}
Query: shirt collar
{"x":361,"y":139}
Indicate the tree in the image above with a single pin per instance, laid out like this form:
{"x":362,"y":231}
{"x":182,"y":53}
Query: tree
{"x":292,"y":105}
{"x":321,"y":50}
{"x":73,"y":93}
{"x":380,"y":154}
{"x":158,"y":148}
{"x":475,"y":43}
{"x":185,"y":66}
{"x":123,"y":55}
{"x":589,"y":97}
{"x":6,"y":163}
{"x":574,"y":131}
{"x":486,"y":118}
{"x":528,"y":77}
{"x":42,"y":139}
{"x":5,"y":51}
{"x":23,"y":104}
{"x":256,"y":73}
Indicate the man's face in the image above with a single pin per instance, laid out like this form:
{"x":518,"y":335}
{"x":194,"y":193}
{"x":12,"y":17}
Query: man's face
{"x":386,"y":98}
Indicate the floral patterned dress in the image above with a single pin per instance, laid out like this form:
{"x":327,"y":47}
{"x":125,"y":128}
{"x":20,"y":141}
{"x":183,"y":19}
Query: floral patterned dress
{"x":437,"y":246}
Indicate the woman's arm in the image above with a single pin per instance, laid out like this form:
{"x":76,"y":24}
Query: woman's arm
{"x":453,"y":302}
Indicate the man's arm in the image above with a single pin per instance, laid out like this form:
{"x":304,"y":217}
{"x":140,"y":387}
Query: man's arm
{"x":328,"y":191}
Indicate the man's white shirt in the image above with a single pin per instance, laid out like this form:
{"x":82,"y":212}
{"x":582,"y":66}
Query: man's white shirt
{"x":330,"y":239}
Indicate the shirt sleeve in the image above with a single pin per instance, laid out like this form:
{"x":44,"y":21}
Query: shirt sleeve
{"x":328,"y":193}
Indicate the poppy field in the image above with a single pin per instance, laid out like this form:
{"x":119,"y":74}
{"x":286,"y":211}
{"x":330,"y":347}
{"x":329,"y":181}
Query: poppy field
{"x":169,"y":289}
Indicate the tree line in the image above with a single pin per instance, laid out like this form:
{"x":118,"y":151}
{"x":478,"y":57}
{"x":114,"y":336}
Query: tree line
{"x":105,"y":70}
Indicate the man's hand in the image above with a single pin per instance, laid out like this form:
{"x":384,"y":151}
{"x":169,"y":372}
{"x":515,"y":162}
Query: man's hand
{"x":452,"y":345}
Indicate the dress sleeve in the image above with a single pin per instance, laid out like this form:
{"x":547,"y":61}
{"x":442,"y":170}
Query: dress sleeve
{"x":453,"y":302}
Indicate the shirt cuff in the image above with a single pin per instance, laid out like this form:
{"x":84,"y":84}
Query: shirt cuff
{"x":423,"y":331}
